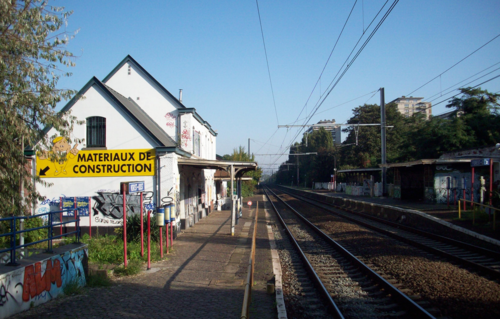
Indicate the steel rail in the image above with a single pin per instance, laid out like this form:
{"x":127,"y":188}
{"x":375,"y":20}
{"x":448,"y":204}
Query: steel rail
{"x":408,"y":303}
{"x":324,"y":292}
{"x":485,"y":269}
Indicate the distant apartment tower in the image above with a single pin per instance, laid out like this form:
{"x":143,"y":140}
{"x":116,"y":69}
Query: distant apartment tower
{"x":412,"y":105}
{"x":329,"y":126}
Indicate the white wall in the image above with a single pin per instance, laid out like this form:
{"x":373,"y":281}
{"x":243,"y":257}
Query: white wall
{"x":121,"y":133}
{"x":161,"y":107}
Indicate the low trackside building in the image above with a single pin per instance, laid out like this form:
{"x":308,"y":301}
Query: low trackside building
{"x":133,"y":130}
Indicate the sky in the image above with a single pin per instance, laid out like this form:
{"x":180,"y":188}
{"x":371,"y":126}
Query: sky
{"x":214,"y":51}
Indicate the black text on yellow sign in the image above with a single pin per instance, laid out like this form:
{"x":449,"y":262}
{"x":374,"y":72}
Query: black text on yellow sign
{"x":140,"y":162}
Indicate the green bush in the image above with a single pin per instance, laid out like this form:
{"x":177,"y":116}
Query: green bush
{"x":98,"y":281}
{"x":29,"y":237}
{"x":134,"y":228}
{"x":109,"y":249}
{"x":133,"y":268}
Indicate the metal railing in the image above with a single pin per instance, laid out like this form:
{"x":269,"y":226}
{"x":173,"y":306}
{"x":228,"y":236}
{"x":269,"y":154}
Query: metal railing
{"x":494,"y":211}
{"x":50,"y":230}
{"x":247,"y":299}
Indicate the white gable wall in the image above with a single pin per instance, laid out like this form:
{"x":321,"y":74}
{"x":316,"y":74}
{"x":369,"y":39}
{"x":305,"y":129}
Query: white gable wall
{"x":160,"y":106}
{"x":121,"y":133}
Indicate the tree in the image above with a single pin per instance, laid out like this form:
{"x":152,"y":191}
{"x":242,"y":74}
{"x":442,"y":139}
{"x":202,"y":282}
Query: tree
{"x":32,"y":55}
{"x":475,"y":123}
{"x":366,"y":152}
{"x":239,"y":155}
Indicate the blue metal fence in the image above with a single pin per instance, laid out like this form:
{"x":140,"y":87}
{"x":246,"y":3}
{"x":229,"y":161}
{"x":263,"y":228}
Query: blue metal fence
{"x":50,"y":230}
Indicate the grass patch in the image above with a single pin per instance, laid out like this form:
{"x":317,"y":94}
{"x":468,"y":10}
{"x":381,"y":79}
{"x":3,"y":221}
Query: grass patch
{"x":133,"y":268}
{"x":94,"y":281}
{"x":480,"y":215}
{"x":72,"y":288}
{"x":108,"y":249}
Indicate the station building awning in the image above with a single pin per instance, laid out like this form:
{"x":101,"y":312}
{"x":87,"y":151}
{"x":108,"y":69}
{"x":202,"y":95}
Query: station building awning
{"x":426,"y":162}
{"x":359,"y":170}
{"x":239,"y":167}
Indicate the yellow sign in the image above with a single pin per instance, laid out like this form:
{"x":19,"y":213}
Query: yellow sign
{"x":96,"y":163}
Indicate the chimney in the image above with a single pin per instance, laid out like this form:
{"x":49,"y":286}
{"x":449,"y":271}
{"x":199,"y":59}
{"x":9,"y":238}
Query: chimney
{"x":180,"y":95}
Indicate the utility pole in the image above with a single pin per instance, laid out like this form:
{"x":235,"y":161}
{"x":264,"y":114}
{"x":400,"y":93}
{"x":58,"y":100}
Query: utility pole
{"x":297,"y":171}
{"x":382,"y":136}
{"x":249,"y":148}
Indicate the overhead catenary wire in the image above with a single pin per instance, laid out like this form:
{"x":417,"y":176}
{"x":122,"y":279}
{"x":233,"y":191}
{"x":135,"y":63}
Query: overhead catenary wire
{"x":338,"y":105}
{"x":319,"y":103}
{"x":267,"y":62}
{"x":482,"y":76}
{"x":454,"y":65}
{"x":447,"y":99}
{"x":349,"y":63}
{"x":334,"y":83}
{"x":456,"y":84}
{"x":327,"y":61}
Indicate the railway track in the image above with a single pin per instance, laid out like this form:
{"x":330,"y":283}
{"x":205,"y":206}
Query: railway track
{"x":484,"y":261}
{"x":349,"y":288}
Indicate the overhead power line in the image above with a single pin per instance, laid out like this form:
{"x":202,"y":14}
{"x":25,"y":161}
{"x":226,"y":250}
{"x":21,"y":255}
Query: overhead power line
{"x":482,"y":76}
{"x":441,"y":93}
{"x":475,"y":86}
{"x":267,"y":62}
{"x":327,"y":60}
{"x":334,"y":83}
{"x":338,"y":105}
{"x":454,"y":65}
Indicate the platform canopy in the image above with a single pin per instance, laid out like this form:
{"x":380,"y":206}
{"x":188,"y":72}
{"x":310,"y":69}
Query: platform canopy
{"x":426,"y":162}
{"x":239,"y":167}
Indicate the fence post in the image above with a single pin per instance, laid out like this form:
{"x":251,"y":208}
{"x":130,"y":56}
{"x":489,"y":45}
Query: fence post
{"x":494,"y":219}
{"x":13,"y":242}
{"x":49,"y":242}
{"x":77,"y":228}
{"x":75,"y":212}
{"x":473,"y":216}
{"x":61,"y":214}
{"x":142,"y":227}
{"x":459,"y":212}
{"x":149,"y":240}
{"x":90,"y":217}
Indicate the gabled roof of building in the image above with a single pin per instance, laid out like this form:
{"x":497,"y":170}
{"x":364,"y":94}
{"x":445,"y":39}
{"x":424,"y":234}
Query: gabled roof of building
{"x":131,"y":60}
{"x":199,"y":118}
{"x":131,"y":108}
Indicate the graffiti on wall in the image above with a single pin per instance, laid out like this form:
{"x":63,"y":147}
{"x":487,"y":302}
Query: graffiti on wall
{"x":41,"y":281}
{"x":108,"y":207}
{"x":449,"y":187}
{"x":171,"y":119}
{"x":186,"y":135}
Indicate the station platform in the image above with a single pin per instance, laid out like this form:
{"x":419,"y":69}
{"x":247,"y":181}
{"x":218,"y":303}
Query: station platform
{"x":203,"y":277}
{"x":444,"y":212}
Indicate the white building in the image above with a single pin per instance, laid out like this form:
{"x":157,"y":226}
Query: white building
{"x":411,"y":105}
{"x":134,"y":130}
{"x":329,"y":126}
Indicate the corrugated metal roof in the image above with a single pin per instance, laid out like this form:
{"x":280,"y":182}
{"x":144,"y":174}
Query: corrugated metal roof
{"x":359,"y":170}
{"x":426,"y":162}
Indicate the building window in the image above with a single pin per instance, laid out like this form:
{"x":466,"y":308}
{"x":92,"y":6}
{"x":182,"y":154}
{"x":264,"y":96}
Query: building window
{"x":96,"y":131}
